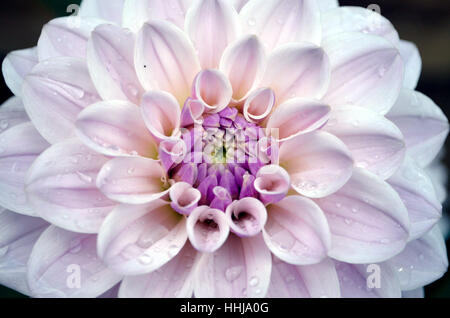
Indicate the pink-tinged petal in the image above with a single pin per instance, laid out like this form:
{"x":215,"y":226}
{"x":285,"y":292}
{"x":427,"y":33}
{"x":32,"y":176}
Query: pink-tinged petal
{"x":240,"y":268}
{"x":259,"y":105}
{"x":416,"y":189}
{"x":111,"y":293}
{"x":416,"y":293}
{"x":277,"y":22}
{"x":173,"y":280}
{"x":138,"y":239}
{"x":110,"y":59}
{"x":165,"y":59}
{"x":298,"y":116}
{"x":319,"y":163}
{"x":184,"y":197}
{"x":360,"y":281}
{"x":422,"y":123}
{"x":310,"y":281}
{"x":297,"y":231}
{"x":297,"y":70}
{"x":212,"y":25}
{"x":376,"y":143}
{"x":207,"y":229}
{"x":213,"y":89}
{"x":12,"y":113}
{"x":133,"y":180}
{"x":422,"y":262}
{"x":103,"y":9}
{"x":19,"y":147}
{"x":246,"y":217}
{"x":65,"y":264}
{"x":161,"y":113}
{"x":115,"y":128}
{"x":172,"y":152}
{"x":413,"y":63}
{"x":368,"y":220}
{"x":369,"y":75}
{"x":325,"y":5}
{"x":61,"y":187}
{"x":192,"y":113}
{"x":358,"y":19}
{"x":18,"y":235}
{"x":272,"y":183}
{"x":16,"y":66}
{"x":239,"y":4}
{"x":243,"y":62}
{"x":137,"y":12}
{"x":54,"y":93}
{"x":66,"y":37}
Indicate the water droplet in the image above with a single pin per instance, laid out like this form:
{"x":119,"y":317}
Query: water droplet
{"x":84,"y":177}
{"x":3,"y":251}
{"x":289,"y":279}
{"x":251,"y":22}
{"x":4,"y":124}
{"x":232,"y":273}
{"x":348,"y":221}
{"x":146,"y":259}
{"x":382,"y":71}
{"x":354,"y":210}
{"x":384,"y":241}
{"x":131,"y":171}
{"x":254,"y":281}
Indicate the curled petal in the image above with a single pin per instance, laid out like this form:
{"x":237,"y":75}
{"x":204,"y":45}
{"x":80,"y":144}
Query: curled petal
{"x":171,"y":152}
{"x":132,"y":180}
{"x":110,"y":58}
{"x":298,"y":116}
{"x":297,"y":70}
{"x":104,"y":9}
{"x":138,"y":239}
{"x":369,"y":75}
{"x":16,"y":66}
{"x":12,"y":113}
{"x":192,"y":113}
{"x":413,"y":63}
{"x":165,"y":59}
{"x":368,"y":221}
{"x":207,"y":229}
{"x":222,"y":198}
{"x":115,"y":128}
{"x":184,"y":197}
{"x":272,"y":183}
{"x":161,"y":114}
{"x":422,"y":123}
{"x":243,"y":62}
{"x":213,"y":89}
{"x":240,"y":268}
{"x":282,"y":21}
{"x":246,"y":217}
{"x":212,"y":25}
{"x":297,"y":231}
{"x":259,"y":105}
{"x":188,"y":173}
{"x":64,"y":264}
{"x":60,"y":186}
{"x":319,"y":163}
{"x":54,"y":93}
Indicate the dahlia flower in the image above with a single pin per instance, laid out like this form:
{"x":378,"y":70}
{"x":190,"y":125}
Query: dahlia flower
{"x":216,"y":148}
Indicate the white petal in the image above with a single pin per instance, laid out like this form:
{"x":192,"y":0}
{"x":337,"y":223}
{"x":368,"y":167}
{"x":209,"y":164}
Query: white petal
{"x":16,"y":66}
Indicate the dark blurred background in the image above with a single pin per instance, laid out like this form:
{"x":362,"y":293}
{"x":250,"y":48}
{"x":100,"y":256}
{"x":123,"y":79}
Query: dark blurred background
{"x":426,"y":23}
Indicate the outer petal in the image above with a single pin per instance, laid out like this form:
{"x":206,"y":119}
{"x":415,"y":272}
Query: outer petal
{"x":110,"y":10}
{"x":239,"y":4}
{"x":367,"y":219}
{"x":354,"y":281}
{"x":18,"y":235}
{"x":138,"y":239}
{"x":243,"y":62}
{"x":297,"y":70}
{"x":241,"y":268}
{"x":416,"y":293}
{"x":358,"y":19}
{"x":59,"y":257}
{"x":115,"y":128}
{"x":110,"y":58}
{"x":16,"y":66}
{"x":423,"y":124}
{"x":376,"y":143}
{"x":297,"y":231}
{"x":369,"y":75}
{"x":175,"y":279}
{"x":132,"y":180}
{"x":325,"y":5}
{"x":137,"y":12}
{"x":65,"y":37}
{"x":290,"y":281}
{"x":54,"y":93}
{"x":422,"y":262}
{"x":19,"y":147}
{"x":413,"y":63}
{"x":12,"y":113}
{"x":212,"y":25}
{"x":417,"y":192}
{"x":61,"y":187}
{"x":282,"y":21}
{"x":165,"y":59}
{"x":319,"y":163}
